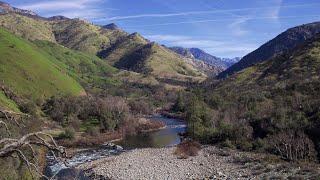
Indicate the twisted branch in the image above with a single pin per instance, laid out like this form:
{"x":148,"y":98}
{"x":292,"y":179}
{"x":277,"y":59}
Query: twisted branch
{"x":11,"y":146}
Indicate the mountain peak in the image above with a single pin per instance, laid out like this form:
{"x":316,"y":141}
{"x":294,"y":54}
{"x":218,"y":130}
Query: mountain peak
{"x":138,"y":36}
{"x":199,"y":54}
{"x":111,"y":26}
{"x":283,"y":43}
{"x":58,"y":18}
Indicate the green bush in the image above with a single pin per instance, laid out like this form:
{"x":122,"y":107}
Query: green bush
{"x":93,"y":131}
{"x":259,"y":145}
{"x":227,"y":143}
{"x":245,"y":145}
{"x":68,"y":133}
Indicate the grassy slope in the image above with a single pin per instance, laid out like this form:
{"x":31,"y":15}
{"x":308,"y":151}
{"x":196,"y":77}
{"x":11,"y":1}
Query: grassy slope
{"x":80,"y":35}
{"x":168,"y":64}
{"x":115,"y":44}
{"x":87,"y":69}
{"x":124,"y":48}
{"x":7,"y":103}
{"x":158,"y":61}
{"x":302,"y":66}
{"x":29,"y":73}
{"x":275,"y":84}
{"x":26,"y":27}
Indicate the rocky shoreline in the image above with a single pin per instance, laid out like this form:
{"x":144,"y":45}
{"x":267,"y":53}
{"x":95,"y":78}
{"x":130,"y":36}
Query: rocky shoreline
{"x":211,"y":163}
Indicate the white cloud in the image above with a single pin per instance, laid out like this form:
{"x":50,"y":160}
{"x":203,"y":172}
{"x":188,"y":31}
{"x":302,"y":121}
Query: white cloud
{"x":274,"y":11}
{"x":215,"y":47}
{"x":225,"y":19}
{"x":58,"y":5}
{"x":237,"y":26}
{"x":71,"y":8}
{"x":160,"y":37}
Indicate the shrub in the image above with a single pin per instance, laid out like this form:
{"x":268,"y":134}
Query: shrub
{"x":29,"y":108}
{"x":93,"y":131}
{"x":227,"y":143}
{"x":259,"y":145}
{"x":244,"y":145}
{"x":140,"y":107}
{"x":292,"y":146}
{"x":187,"y":148}
{"x":68,"y":133}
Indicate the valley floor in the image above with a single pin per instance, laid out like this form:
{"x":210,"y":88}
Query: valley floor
{"x":211,"y":163}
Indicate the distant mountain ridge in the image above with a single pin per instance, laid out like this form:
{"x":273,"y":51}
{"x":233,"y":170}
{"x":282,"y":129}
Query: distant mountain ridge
{"x":283,"y":43}
{"x":109,"y":42}
{"x":210,"y":64}
{"x":206,"y":57}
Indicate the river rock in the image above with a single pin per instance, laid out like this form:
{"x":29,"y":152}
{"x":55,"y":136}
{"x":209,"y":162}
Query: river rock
{"x":161,"y":163}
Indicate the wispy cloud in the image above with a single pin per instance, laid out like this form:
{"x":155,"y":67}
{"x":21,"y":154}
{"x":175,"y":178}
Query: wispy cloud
{"x":161,"y":37}
{"x":275,"y":9}
{"x":215,"y":47}
{"x":71,"y":8}
{"x":237,"y":26}
{"x":223,"y":20}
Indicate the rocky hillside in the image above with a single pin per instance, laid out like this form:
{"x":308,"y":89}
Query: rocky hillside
{"x":205,"y":62}
{"x":283,"y":43}
{"x":198,"y":54}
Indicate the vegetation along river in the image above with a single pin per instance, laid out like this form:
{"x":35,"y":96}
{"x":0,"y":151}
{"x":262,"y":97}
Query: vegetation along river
{"x":165,"y":137}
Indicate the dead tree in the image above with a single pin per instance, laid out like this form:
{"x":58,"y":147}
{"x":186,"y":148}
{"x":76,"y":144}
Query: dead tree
{"x":18,"y":146}
{"x":293,"y":146}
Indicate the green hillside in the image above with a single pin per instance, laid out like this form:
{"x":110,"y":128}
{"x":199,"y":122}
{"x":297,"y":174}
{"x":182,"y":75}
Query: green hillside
{"x":7,"y":103}
{"x":26,"y":27}
{"x":28,"y":72}
{"x":158,"y":61}
{"x":123,"y":47}
{"x":113,"y":45}
{"x":83,"y":36}
{"x":89,"y":70}
{"x":263,"y":102}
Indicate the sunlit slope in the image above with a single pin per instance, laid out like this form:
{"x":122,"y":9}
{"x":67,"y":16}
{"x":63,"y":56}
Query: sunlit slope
{"x":29,"y":72}
{"x":89,"y":70}
{"x":160,"y":62}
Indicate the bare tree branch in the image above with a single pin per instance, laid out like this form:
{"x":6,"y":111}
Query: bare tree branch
{"x":11,"y":146}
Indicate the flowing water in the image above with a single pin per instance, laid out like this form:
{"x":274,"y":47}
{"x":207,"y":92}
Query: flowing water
{"x":165,"y":137}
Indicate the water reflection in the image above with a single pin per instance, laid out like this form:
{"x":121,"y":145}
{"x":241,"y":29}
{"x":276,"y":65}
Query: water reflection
{"x":161,"y":138}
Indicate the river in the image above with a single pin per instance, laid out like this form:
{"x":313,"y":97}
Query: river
{"x":168,"y":136}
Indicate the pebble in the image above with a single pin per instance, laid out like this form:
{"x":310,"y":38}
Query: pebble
{"x":161,"y":163}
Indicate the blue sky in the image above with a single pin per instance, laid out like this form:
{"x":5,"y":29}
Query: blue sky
{"x":225,"y":28}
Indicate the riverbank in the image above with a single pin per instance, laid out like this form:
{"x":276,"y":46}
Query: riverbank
{"x":212,"y":162}
{"x":85,"y":140}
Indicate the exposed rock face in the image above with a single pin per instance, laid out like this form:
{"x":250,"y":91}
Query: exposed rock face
{"x":206,"y":68}
{"x":283,"y":43}
{"x":183,"y":51}
{"x":206,"y":63}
